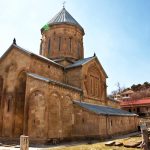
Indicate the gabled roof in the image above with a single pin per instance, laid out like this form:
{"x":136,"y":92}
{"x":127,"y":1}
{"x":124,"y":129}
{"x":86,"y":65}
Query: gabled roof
{"x":62,"y":59}
{"x":128,"y":92}
{"x":103,"y":110}
{"x":79,"y":62}
{"x":28,"y":53}
{"x":138,"y":102}
{"x":64,"y":17}
{"x":48,"y":80}
{"x":84,"y":61}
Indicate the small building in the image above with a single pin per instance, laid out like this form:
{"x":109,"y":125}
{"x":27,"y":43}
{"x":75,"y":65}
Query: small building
{"x":127,"y":94}
{"x":139,"y":106}
{"x":123,"y":95}
{"x":117,"y":97}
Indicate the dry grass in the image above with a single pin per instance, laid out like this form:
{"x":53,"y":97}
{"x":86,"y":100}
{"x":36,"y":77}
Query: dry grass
{"x":95,"y":147}
{"x":101,"y":145}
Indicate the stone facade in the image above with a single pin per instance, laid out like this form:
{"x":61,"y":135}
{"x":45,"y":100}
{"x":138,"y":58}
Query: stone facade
{"x":92,"y":125}
{"x":62,"y":41}
{"x":37,"y":92}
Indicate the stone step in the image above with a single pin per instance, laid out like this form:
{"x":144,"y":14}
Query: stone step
{"x":132,"y":144}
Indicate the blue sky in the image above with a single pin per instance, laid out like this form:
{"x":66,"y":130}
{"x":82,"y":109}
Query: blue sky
{"x":118,"y":31}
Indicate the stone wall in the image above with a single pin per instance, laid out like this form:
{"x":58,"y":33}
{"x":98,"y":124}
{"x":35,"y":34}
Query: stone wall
{"x":113,"y":103}
{"x":52,"y":114}
{"x":46,"y":69}
{"x":13,"y":71}
{"x":92,"y":125}
{"x":50,"y":109}
{"x":93,"y":83}
{"x":73,"y":77}
{"x":45,"y":110}
{"x":93,"y":101}
{"x":12,"y":67}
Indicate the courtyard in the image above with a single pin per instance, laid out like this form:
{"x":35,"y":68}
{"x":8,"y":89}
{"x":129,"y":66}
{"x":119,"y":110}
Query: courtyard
{"x":129,"y":139}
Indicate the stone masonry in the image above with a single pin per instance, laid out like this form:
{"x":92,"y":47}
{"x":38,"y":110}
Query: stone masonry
{"x":58,"y":94}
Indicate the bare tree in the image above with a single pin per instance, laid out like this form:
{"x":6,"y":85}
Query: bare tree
{"x":118,"y":91}
{"x":120,"y":88}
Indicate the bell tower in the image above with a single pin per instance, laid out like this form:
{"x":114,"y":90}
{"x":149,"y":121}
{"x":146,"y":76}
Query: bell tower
{"x":62,"y":37}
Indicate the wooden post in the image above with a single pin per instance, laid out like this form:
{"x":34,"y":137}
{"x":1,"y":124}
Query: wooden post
{"x":24,"y":142}
{"x":145,"y":137}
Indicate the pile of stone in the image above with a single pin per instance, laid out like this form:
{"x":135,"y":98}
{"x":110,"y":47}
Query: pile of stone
{"x":128,"y":145}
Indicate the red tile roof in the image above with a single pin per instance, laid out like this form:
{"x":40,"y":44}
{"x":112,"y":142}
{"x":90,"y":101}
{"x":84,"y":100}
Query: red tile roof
{"x":127,"y":103}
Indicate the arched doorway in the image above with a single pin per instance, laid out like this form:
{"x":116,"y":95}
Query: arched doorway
{"x":19,"y":104}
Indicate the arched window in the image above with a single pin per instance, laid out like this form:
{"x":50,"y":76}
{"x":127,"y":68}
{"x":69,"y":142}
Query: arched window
{"x":49,"y":47}
{"x":1,"y":89}
{"x":70,"y":43}
{"x":59,"y":43}
{"x":94,"y":82}
{"x":111,"y":123}
{"x":94,"y":85}
{"x":41,"y":46}
{"x":9,"y":103}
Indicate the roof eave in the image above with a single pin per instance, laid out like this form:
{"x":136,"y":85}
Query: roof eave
{"x":11,"y":47}
{"x":101,"y":113}
{"x":59,"y":23}
{"x":48,"y":80}
{"x":28,"y":53}
{"x":68,"y":68}
{"x":95,"y":57}
{"x":104,"y":114}
{"x":102,"y":67}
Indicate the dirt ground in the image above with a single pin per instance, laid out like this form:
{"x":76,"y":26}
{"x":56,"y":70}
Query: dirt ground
{"x":101,"y":145}
{"x":94,"y":145}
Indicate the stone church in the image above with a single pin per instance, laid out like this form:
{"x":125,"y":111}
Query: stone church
{"x":57,"y":94}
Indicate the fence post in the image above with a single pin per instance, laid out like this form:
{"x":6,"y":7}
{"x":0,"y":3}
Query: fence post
{"x":145,"y":137}
{"x":24,"y":142}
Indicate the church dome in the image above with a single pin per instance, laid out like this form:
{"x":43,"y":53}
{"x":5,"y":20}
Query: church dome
{"x":62,"y":37}
{"x":63,"y":17}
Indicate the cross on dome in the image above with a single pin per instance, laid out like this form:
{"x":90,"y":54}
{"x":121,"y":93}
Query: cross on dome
{"x":64,"y":4}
